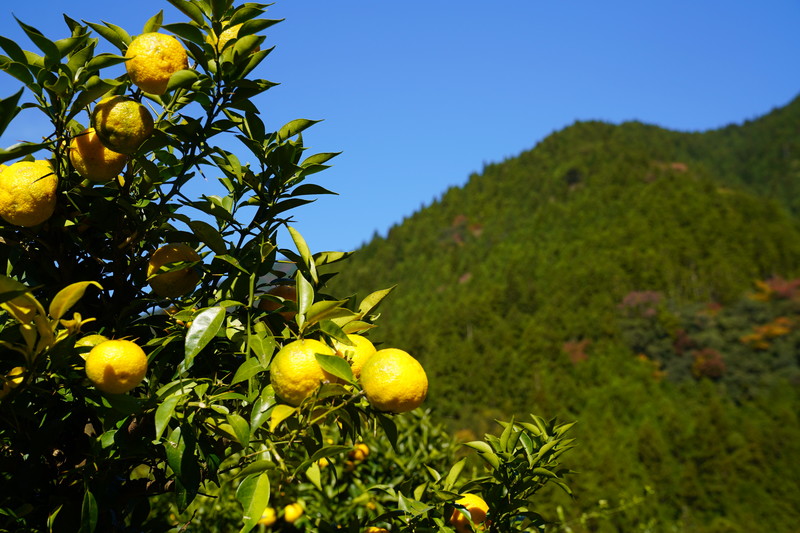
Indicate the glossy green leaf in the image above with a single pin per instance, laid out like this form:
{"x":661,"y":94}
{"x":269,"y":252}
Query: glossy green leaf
{"x":154,"y":23}
{"x":454,"y":473}
{"x":44,"y":44}
{"x":313,"y":475}
{"x":305,"y":293}
{"x":241,"y":428}
{"x":246,"y":370}
{"x":209,"y":235}
{"x":182,"y":79}
{"x":305,"y":253}
{"x":204,"y":328}
{"x":336,"y":366}
{"x":294,"y":127}
{"x":371,"y":302}
{"x":189,"y":9}
{"x":69,"y":296}
{"x":327,"y":309}
{"x":253,"y":494}
{"x":164,"y":413}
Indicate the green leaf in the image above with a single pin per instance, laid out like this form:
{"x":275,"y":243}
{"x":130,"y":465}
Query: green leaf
{"x":305,"y":294}
{"x":182,"y":79}
{"x":189,"y":9}
{"x":246,"y":370}
{"x":390,"y":428}
{"x":13,"y":50}
{"x":164,"y":413}
{"x":89,"y":511}
{"x":294,"y":127}
{"x":174,"y":447}
{"x":308,"y":189}
{"x":44,"y":44}
{"x":335,"y":365}
{"x":318,"y":159}
{"x":253,"y":494}
{"x":261,"y":343}
{"x":69,"y":296}
{"x":241,"y":428}
{"x":110,"y":35}
{"x":313,"y":475}
{"x":154,"y":22}
{"x":327,"y":309}
{"x":280,"y":413}
{"x":371,"y":302}
{"x":455,"y":471}
{"x":190,"y":32}
{"x":204,"y":328}
{"x":209,"y":235}
{"x":305,"y":253}
{"x":9,"y":109}
{"x":101,"y":61}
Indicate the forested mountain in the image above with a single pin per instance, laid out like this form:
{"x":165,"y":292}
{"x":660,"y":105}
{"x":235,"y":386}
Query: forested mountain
{"x":632,"y":278}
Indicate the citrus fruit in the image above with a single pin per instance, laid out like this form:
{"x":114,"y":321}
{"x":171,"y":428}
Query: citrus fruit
{"x":394,"y":381}
{"x":92,"y":159}
{"x":116,"y":366}
{"x":177,"y":282}
{"x":12,"y":380}
{"x":285,"y":292}
{"x":477,"y":509}
{"x":295,"y":372}
{"x":357,"y":354}
{"x":28,"y":192}
{"x":359,"y":453}
{"x":373,"y":529}
{"x":292,"y":512}
{"x":268,"y":517}
{"x":153,"y":59}
{"x":121,"y":123}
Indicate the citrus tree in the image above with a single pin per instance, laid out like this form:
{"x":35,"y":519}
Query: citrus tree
{"x":162,"y":352}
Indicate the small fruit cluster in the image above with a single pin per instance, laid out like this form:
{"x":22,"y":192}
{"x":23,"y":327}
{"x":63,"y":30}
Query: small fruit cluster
{"x":392,"y":380}
{"x":119,"y":126}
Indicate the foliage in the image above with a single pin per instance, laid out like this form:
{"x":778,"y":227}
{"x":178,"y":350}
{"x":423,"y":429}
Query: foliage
{"x":206,"y":419}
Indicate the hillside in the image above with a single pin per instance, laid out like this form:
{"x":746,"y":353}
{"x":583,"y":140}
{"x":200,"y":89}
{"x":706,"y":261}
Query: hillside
{"x":515,"y":291}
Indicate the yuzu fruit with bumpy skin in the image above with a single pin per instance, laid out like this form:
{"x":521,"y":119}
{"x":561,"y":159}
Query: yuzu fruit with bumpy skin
{"x":122,"y":124}
{"x":295,"y":373}
{"x":153,"y":58}
{"x":92,"y":159}
{"x":177,"y":282}
{"x":116,"y":366}
{"x":357,"y":354}
{"x":393,"y":381}
{"x":28,"y":192}
{"x":477,"y":508}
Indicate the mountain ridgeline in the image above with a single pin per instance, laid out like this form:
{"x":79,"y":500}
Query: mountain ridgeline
{"x":611,"y":275}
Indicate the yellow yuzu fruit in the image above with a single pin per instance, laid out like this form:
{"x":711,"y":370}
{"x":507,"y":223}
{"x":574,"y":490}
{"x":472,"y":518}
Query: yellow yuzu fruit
{"x":116,"y":366}
{"x":356,"y":355}
{"x":394,"y":381}
{"x":153,"y":58}
{"x":477,"y":509}
{"x":286,"y":292}
{"x":373,"y":529}
{"x":92,"y":159}
{"x":28,"y":192}
{"x":177,"y":282}
{"x":295,"y":373}
{"x":268,"y":517}
{"x":121,"y":123}
{"x":292,"y":512}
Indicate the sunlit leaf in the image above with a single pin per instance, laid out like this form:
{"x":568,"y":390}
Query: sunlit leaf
{"x":253,"y":494}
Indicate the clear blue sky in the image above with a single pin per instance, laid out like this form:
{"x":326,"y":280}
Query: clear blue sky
{"x":418,"y":95}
